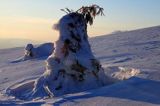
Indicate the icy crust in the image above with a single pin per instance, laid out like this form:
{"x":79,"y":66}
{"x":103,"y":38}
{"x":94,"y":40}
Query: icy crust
{"x":72,"y":67}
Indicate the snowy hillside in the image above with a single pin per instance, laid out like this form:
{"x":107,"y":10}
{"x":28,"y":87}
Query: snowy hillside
{"x":132,"y":58}
{"x":131,"y":48}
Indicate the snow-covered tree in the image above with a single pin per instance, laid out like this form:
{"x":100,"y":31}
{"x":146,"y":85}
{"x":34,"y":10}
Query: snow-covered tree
{"x":72,"y":67}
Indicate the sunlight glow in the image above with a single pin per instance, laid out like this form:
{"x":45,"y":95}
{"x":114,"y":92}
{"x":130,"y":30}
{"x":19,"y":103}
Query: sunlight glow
{"x":34,"y":19}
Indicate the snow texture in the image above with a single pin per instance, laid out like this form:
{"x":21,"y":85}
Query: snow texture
{"x":131,"y":58}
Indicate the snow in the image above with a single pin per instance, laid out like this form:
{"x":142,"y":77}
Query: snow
{"x":31,"y":52}
{"x":123,"y":93}
{"x":130,"y":58}
{"x":71,"y":67}
{"x":122,"y":73}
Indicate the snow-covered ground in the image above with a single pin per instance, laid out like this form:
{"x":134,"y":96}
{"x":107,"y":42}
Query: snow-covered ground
{"x":132,"y":58}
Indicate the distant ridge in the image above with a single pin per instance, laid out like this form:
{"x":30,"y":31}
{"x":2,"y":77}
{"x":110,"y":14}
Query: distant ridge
{"x":12,"y":43}
{"x":147,"y":29}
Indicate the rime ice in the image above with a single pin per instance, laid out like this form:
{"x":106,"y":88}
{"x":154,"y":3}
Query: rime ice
{"x":72,"y":67}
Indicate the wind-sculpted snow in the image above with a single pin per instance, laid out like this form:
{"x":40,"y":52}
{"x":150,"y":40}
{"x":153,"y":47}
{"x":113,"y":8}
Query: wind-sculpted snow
{"x":132,"y":92}
{"x":138,"y":48}
{"x":136,"y":81}
{"x":121,"y":73}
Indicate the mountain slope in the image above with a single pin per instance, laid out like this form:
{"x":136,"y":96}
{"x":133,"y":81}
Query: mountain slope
{"x":131,"y":48}
{"x":139,"y":49}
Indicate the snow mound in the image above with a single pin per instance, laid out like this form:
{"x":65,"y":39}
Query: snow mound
{"x":43,"y":50}
{"x":123,"y":73}
{"x":113,"y":75}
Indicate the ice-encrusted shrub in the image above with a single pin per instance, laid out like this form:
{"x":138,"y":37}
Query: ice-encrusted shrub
{"x":42,"y":50}
{"x":72,"y":67}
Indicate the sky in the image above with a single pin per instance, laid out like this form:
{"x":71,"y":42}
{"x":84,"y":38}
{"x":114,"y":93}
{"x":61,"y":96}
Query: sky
{"x":33,"y":19}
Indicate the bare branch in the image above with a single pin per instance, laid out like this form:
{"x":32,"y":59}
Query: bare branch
{"x":89,"y":12}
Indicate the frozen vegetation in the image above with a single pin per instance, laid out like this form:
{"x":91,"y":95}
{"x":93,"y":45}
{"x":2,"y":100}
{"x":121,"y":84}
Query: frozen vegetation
{"x":71,"y":67}
{"x":132,"y":58}
{"x":31,"y":52}
{"x":40,"y":51}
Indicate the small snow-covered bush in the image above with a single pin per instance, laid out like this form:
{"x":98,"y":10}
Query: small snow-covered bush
{"x":45,"y":49}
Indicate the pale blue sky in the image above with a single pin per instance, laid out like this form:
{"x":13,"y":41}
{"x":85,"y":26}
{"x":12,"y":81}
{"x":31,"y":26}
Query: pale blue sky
{"x":25,"y":18}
